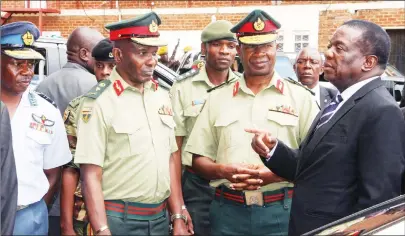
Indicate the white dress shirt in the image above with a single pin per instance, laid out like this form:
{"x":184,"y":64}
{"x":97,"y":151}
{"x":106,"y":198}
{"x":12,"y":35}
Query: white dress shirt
{"x":317,"y":96}
{"x":346,"y":94}
{"x":39,"y":142}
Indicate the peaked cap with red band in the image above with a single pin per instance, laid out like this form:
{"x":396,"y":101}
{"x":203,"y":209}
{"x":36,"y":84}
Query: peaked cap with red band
{"x":142,"y":29}
{"x":256,"y":28}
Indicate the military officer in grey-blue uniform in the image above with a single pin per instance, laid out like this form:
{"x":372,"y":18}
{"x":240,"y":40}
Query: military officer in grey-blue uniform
{"x":39,"y":139}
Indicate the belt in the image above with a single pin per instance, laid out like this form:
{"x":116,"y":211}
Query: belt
{"x":251,"y":197}
{"x":134,"y":210}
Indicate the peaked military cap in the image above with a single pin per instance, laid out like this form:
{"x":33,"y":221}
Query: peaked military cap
{"x":142,"y":29}
{"x":217,"y":30}
{"x":256,"y":28}
{"x":103,"y":51}
{"x":18,"y":38}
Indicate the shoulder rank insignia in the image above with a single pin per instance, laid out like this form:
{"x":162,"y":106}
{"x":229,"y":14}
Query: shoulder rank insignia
{"x":299,"y":84}
{"x":222,"y":85}
{"x":188,"y":74}
{"x":98,"y":89}
{"x":47,"y":99}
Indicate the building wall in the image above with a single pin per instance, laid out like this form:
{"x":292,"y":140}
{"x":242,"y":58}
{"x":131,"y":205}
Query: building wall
{"x":185,"y":19}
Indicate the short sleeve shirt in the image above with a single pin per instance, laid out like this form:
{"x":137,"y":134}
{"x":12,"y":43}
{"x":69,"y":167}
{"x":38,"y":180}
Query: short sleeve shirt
{"x":284,"y":109}
{"x":39,"y":142}
{"x":132,"y":138}
{"x":188,"y":97}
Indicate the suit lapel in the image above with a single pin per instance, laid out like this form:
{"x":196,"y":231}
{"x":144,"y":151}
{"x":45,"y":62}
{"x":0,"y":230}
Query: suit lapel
{"x":323,"y":96}
{"x":314,"y":137}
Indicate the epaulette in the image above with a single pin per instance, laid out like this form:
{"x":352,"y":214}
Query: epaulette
{"x":299,"y":84}
{"x":98,"y":89}
{"x":188,"y":74}
{"x":75,"y":102}
{"x":223,"y":84}
{"x":46,"y":98}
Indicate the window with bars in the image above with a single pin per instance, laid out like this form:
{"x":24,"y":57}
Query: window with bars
{"x":301,"y":40}
{"x":280,"y":42}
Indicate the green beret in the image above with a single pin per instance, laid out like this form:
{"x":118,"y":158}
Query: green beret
{"x":217,"y":30}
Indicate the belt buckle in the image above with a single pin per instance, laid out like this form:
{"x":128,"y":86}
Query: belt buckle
{"x":254,"y":198}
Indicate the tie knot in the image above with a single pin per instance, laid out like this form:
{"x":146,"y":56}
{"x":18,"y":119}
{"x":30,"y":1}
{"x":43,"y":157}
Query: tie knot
{"x":338,"y":98}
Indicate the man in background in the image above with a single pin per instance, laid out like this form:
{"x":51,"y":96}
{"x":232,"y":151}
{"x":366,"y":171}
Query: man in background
{"x":74,"y":79}
{"x":188,"y":94}
{"x":74,"y":218}
{"x":308,"y":67}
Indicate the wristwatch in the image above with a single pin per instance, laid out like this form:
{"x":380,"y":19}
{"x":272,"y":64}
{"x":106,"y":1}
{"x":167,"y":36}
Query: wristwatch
{"x":179,"y":216}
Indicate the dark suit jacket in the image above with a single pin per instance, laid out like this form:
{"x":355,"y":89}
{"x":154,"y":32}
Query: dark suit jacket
{"x":326,"y":94}
{"x":8,"y":175}
{"x":354,"y":161}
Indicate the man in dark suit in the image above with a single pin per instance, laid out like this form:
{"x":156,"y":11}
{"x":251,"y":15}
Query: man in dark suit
{"x":309,"y":66}
{"x":353,"y":155}
{"x":8,"y":175}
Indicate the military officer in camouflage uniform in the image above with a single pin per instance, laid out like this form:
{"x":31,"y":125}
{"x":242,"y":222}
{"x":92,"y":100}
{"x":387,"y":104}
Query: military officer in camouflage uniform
{"x":125,"y":164}
{"x":221,"y":147}
{"x":73,"y":214}
{"x":218,"y":44}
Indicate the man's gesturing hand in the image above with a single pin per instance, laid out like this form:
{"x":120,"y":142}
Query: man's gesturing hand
{"x":262,"y":142}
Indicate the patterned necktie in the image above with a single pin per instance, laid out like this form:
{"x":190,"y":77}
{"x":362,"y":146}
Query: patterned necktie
{"x":329,"y":111}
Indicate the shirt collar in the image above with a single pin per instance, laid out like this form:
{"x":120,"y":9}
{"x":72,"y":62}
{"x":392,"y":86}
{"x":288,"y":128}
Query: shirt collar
{"x":316,"y":89}
{"x":203,"y":76}
{"x":117,"y":77}
{"x":276,"y":81}
{"x":348,"y":93}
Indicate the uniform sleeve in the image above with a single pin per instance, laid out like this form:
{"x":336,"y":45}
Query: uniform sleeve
{"x":308,"y":111}
{"x":57,"y":153}
{"x":202,"y":140}
{"x":70,"y":126}
{"x":8,"y":176}
{"x":91,"y":135}
{"x":178,"y":109}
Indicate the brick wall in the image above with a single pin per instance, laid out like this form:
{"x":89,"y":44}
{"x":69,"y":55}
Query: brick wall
{"x":330,"y":20}
{"x":125,"y":4}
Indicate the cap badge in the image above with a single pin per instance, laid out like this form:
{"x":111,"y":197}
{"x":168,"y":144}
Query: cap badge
{"x":259,"y":24}
{"x":28,"y":39}
{"x":200,"y":64}
{"x":153,"y":27}
{"x":110,"y":55}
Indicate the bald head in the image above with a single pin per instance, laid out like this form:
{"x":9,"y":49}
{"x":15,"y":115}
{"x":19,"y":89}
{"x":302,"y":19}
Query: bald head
{"x":308,"y":66}
{"x":80,"y":44}
{"x":83,"y":37}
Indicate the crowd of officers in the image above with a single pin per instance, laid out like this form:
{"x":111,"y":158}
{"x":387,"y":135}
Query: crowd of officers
{"x":134,"y":157}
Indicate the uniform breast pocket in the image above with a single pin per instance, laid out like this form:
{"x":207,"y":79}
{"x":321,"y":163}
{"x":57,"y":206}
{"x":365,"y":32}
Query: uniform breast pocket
{"x":282,"y":119}
{"x":38,"y":141}
{"x":127,"y":139}
{"x":229,"y":131}
{"x":190,"y":114}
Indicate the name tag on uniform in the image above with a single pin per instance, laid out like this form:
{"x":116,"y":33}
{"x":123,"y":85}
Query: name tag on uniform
{"x":198,"y":102}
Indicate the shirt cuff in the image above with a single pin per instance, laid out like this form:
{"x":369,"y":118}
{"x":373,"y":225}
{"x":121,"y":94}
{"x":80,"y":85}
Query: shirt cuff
{"x":272,"y":151}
